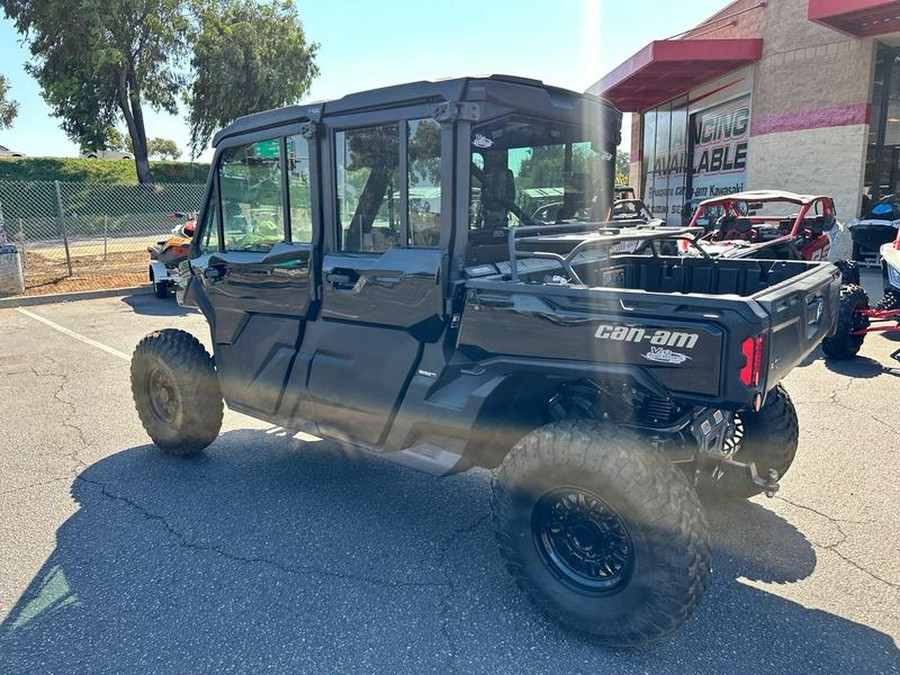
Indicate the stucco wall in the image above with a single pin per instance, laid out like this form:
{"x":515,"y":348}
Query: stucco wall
{"x":740,"y":19}
{"x":825,"y":160}
{"x":810,"y":101}
{"x":811,"y":93}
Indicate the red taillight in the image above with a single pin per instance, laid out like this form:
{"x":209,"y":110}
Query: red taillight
{"x":752,"y":349}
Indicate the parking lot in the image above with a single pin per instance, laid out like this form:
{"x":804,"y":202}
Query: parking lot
{"x":270,"y":552}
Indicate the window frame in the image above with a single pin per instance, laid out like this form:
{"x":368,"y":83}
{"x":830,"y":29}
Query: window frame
{"x":314,"y":189}
{"x":281,"y":133}
{"x":401,"y":117}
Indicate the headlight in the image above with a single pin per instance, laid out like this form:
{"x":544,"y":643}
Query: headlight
{"x":893,"y":275}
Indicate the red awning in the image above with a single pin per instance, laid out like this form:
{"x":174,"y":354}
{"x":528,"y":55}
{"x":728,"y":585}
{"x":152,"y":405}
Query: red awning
{"x":857,"y":17}
{"x":666,"y":68}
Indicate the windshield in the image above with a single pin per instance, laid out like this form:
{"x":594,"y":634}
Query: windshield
{"x":527,"y":171}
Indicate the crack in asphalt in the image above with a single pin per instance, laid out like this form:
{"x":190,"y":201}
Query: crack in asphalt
{"x":67,"y":421}
{"x":31,"y":486}
{"x":833,"y":398}
{"x":296,"y":570}
{"x":446,"y":604}
{"x":448,"y":584}
{"x":843,"y":538}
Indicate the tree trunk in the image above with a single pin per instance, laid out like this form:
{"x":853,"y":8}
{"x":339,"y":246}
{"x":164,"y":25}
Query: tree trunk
{"x":130,"y":105}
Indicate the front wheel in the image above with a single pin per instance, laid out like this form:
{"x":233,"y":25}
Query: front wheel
{"x":176,"y":392}
{"x":889,"y":301}
{"x":849,"y":271}
{"x":600,"y":533}
{"x":843,"y":344}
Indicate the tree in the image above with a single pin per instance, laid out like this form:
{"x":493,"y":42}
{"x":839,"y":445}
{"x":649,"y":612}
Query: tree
{"x":163,"y":148}
{"x":623,"y":167}
{"x":8,"y":108}
{"x":98,"y":63}
{"x":248,"y":56}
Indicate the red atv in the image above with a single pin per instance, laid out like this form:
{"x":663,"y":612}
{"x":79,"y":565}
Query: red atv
{"x":770,"y":224}
{"x":855,"y":318}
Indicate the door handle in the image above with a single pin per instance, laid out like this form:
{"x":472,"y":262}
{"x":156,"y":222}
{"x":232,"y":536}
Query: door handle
{"x":342,"y":279}
{"x":214,"y":272}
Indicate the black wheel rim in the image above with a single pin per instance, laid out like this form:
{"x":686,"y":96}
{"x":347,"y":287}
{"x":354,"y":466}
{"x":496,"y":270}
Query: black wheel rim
{"x":583,"y":541}
{"x":162,"y":395}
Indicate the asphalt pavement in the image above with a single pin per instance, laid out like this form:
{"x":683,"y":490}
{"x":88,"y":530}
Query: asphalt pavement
{"x":282,"y":554}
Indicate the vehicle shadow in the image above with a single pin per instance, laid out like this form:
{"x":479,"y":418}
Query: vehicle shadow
{"x":149,"y":304}
{"x":861,"y":367}
{"x":266,"y":553}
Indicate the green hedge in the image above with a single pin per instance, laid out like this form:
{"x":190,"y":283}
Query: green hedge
{"x":109,"y":171}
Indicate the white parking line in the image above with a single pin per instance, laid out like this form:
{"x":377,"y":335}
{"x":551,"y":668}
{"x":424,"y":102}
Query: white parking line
{"x":71,"y":333}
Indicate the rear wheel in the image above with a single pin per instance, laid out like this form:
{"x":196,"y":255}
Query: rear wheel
{"x":769,"y":438}
{"x":844,"y":345}
{"x":176,"y":392}
{"x":601,"y":533}
{"x":160,"y":288}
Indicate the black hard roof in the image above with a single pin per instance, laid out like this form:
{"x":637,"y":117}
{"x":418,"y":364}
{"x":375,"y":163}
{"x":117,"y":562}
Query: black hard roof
{"x":507,"y":89}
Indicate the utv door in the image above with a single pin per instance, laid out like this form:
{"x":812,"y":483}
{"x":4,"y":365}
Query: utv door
{"x":258,"y":275}
{"x":383,"y":290}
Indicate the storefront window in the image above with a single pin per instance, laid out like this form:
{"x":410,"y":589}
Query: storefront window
{"x":883,"y":153}
{"x":664,"y":160}
{"x":719,"y":142}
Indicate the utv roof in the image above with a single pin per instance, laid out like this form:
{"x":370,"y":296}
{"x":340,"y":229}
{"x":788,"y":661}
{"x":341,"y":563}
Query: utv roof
{"x":764,"y":196}
{"x":505,"y":90}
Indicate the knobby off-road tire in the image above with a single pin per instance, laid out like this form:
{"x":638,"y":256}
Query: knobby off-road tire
{"x":889,"y":301}
{"x":176,"y":393}
{"x":849,"y":271}
{"x":768,"y":437}
{"x":600,"y":533}
{"x":843,"y":345}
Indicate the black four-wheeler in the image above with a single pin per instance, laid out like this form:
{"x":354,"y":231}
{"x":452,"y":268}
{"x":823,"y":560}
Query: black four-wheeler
{"x":878,"y":226}
{"x":369,"y":276}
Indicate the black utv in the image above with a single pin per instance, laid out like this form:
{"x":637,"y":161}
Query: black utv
{"x":371,"y":274}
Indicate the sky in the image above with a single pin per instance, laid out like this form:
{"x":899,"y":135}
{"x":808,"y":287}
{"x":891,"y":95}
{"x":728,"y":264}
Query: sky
{"x":366,"y":44}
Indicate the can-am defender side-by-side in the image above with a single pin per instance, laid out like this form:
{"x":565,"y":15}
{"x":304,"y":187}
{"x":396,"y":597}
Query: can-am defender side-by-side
{"x":369,"y":275}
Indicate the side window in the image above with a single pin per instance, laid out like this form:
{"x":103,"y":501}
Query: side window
{"x":368,"y":188}
{"x":250,"y":179}
{"x":209,"y":234}
{"x":424,"y":161}
{"x":299,"y":190}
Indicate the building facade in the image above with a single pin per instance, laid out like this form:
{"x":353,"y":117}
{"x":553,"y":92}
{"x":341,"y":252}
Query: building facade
{"x":800,"y":95}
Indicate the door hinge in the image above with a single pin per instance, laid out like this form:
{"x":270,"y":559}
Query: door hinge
{"x":450,"y":110}
{"x":308,"y":130}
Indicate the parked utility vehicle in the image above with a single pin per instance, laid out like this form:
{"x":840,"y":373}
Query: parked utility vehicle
{"x":771,"y":224}
{"x":604,"y":388}
{"x":856,"y":319}
{"x":166,"y":254}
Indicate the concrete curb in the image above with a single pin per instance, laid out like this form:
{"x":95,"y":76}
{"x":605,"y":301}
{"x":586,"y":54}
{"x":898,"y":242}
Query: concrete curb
{"x":31,"y":300}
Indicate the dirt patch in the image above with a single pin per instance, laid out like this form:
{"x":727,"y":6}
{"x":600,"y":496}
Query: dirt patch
{"x":49,"y":274}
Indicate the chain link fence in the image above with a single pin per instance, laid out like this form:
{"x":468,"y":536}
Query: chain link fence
{"x":78,"y":236}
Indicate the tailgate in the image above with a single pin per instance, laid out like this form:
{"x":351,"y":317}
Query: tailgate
{"x":803,"y":310}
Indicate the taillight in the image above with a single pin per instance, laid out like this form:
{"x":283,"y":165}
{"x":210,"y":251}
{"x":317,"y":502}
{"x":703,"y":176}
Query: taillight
{"x":752,"y":349}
